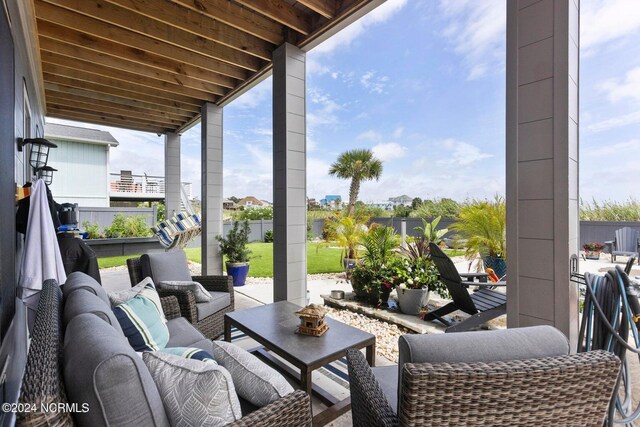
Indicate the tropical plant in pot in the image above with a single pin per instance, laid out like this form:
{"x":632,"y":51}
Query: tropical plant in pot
{"x":372,"y":279}
{"x":483,"y":224}
{"x":234,"y":248}
{"x":592,"y":250}
{"x":414,"y":279}
{"x":346,"y":232}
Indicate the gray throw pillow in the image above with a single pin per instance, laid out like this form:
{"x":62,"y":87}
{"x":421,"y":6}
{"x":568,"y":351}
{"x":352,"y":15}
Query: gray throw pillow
{"x":194,"y":393}
{"x":199,"y":292}
{"x":254,"y":381}
{"x":120,"y":297}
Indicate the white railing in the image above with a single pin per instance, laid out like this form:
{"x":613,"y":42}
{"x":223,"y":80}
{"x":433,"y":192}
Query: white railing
{"x":140,"y":185}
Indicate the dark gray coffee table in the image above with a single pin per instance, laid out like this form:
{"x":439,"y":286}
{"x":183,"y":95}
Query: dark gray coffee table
{"x":274,"y":326}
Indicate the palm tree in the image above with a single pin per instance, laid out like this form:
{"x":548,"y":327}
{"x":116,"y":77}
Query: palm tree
{"x":358,"y":165}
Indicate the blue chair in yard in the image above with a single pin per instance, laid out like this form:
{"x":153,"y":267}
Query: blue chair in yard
{"x":626,"y":243}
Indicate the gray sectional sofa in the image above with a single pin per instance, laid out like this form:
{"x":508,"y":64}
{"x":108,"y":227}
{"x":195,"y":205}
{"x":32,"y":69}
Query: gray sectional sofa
{"x":101,"y":371}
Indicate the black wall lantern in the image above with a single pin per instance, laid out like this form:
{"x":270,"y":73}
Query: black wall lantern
{"x":46,"y":173}
{"x":39,"y":151}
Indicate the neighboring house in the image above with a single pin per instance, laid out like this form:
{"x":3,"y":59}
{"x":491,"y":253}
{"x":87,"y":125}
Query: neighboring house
{"x":403,"y":200}
{"x":251,"y":202}
{"x":82,"y":160}
{"x":387,"y":206}
{"x":229,"y":205}
{"x":331,"y":201}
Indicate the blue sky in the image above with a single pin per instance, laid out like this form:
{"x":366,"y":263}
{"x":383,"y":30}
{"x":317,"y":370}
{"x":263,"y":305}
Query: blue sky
{"x":422,"y":83}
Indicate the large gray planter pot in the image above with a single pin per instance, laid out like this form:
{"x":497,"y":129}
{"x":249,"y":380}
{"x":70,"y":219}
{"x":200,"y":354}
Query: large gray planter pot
{"x":412,"y":300}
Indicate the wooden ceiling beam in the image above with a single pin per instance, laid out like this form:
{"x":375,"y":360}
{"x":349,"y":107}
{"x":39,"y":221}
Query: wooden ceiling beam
{"x":68,"y":115}
{"x":179,"y":16}
{"x":69,"y":43}
{"x":116,"y":91}
{"x":110,"y":107}
{"x":326,"y":8}
{"x":87,"y":94}
{"x":123,"y":117}
{"x":140,"y":90}
{"x":238,"y":17}
{"x":51,"y":60}
{"x":282,"y":12}
{"x":85,"y":14}
{"x":98,"y":29}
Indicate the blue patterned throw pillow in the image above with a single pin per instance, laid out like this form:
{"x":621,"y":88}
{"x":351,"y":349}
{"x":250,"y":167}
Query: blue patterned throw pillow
{"x":189,"y":353}
{"x":142,"y":322}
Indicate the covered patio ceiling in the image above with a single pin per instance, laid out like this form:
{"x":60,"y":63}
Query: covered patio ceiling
{"x":150,"y":65}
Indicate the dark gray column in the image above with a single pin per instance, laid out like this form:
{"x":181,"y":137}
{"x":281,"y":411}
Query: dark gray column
{"x":172,"y":180}
{"x":542,"y":162}
{"x":211,"y":129}
{"x":289,"y":175}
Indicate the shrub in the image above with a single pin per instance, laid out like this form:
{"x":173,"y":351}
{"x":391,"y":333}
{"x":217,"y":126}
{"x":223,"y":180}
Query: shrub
{"x":483,"y":225}
{"x":92,"y":229}
{"x":610,"y":211}
{"x":445,"y":208}
{"x":131,"y":226}
{"x":254,"y":214}
{"x":234,"y":246}
{"x":268,"y":236}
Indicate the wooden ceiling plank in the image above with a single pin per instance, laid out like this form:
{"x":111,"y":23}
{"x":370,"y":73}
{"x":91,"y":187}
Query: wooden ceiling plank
{"x":282,"y":12}
{"x":151,"y":84}
{"x":93,"y":112}
{"x":66,"y":115}
{"x":98,"y":29}
{"x":68,"y":43}
{"x":123,"y":93}
{"x":109,"y":107}
{"x":83,"y":14}
{"x":87,"y":72}
{"x":179,"y":16}
{"x":238,"y":17}
{"x":326,"y":8}
{"x":65,"y":90}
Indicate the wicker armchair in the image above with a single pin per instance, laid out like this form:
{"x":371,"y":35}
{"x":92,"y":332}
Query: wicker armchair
{"x":212,"y":326}
{"x":567,"y":390}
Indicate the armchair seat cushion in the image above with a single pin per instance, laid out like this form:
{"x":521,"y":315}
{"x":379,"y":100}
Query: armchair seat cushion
{"x":218,"y":301}
{"x":387,"y":377}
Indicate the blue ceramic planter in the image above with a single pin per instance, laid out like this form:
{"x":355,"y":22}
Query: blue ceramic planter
{"x":499,"y":265}
{"x":239,"y":271}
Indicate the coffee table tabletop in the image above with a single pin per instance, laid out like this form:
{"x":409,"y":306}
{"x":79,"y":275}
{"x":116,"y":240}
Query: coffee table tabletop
{"x":274,"y":326}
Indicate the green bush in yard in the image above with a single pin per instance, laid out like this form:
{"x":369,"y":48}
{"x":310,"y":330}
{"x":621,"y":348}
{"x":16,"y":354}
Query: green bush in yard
{"x":132,"y":226}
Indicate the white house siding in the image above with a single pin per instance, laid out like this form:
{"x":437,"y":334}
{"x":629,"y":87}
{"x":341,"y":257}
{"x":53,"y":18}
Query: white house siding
{"x":82,"y":173}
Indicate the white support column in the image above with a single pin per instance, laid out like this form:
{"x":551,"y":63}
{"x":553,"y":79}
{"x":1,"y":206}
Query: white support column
{"x":542,"y":162}
{"x":289,"y":175}
{"x":211,"y":188}
{"x":172,"y":173}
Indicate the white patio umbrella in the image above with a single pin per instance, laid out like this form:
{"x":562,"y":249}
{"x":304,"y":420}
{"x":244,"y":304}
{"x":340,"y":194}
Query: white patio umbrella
{"x":41,"y":259}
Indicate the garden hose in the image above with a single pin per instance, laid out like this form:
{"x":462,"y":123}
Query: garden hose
{"x":611,"y":311}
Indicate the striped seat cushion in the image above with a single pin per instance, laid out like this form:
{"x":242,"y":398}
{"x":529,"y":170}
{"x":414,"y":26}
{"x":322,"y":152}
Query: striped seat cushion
{"x":142,"y":321}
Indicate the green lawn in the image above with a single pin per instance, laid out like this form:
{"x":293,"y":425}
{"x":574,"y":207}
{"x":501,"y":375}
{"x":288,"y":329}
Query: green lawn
{"x":320,"y":259}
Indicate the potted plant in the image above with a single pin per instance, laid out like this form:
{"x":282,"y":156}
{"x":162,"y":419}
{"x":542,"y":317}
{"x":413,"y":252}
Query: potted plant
{"x":346,"y":232}
{"x":234,"y":247}
{"x":483,"y":224}
{"x":592,"y":250}
{"x":414,"y":280}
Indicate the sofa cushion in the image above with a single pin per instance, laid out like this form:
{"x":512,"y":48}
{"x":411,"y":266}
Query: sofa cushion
{"x":84,"y":301}
{"x":166,"y":266}
{"x":219,"y":301}
{"x":184,"y":334}
{"x":199,"y":292}
{"x":101,"y":370}
{"x":254,"y":381}
{"x":145,"y":288}
{"x":190,"y":353}
{"x":194,"y":393}
{"x":143,"y":324}
{"x":387,"y":378}
{"x":78,"y":280}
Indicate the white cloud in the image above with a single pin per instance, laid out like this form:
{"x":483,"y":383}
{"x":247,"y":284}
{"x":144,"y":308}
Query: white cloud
{"x":605,"y":21}
{"x":372,"y":83}
{"x":398,"y":132}
{"x":476,"y":29}
{"x":615,"y":122}
{"x":601,"y":151}
{"x":254,"y":97}
{"x":344,"y":38}
{"x":459,"y":153}
{"x":321,"y":109}
{"x":370,"y":135}
{"x":389,"y":151}
{"x":629,"y":87}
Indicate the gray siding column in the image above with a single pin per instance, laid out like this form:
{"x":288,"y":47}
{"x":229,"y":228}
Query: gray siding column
{"x":542,"y":162}
{"x":289,"y":175}
{"x":172,"y":173}
{"x":211,"y":188}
